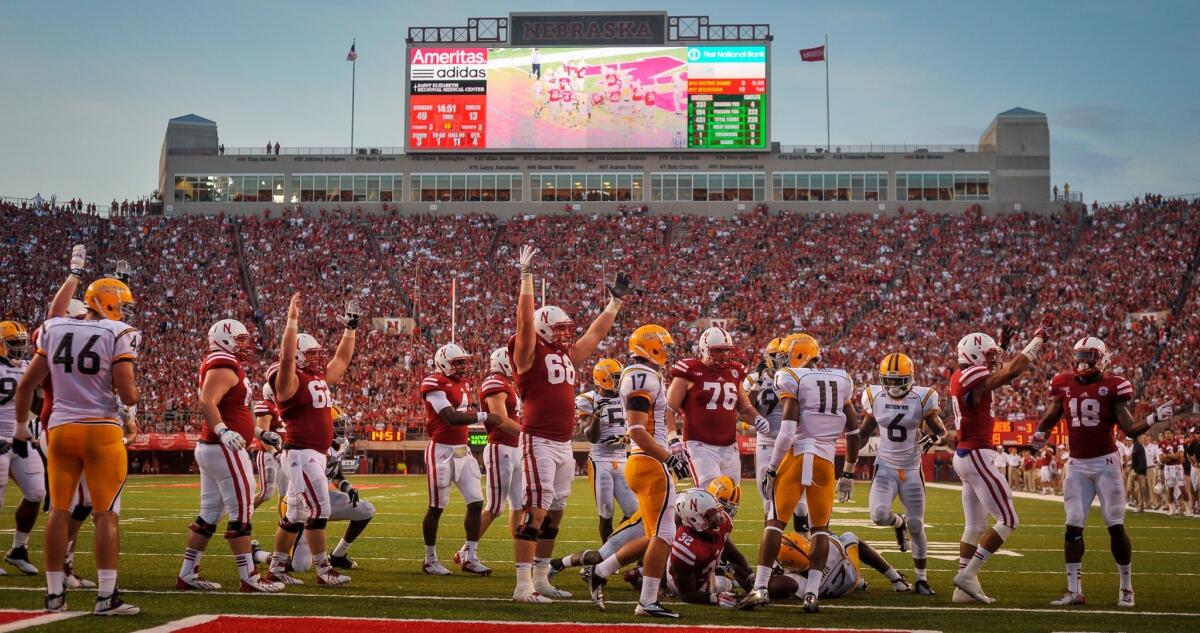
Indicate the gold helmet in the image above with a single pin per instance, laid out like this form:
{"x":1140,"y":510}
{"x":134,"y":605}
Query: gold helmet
{"x":341,"y":422}
{"x":108,"y":297}
{"x":726,"y":490}
{"x":775,"y":355}
{"x":651,"y":342}
{"x":605,"y":374}
{"x":794,"y":550}
{"x":802,"y":349}
{"x":896,"y":374}
{"x":14,"y":341}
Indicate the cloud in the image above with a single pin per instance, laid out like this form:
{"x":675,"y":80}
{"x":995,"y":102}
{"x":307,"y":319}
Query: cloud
{"x":1079,"y":160}
{"x":1094,"y":118}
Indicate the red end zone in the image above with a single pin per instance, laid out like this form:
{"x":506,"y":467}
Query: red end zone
{"x":273,"y":624}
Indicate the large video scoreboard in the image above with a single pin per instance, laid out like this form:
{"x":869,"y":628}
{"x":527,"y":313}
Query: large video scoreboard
{"x":555,"y":87}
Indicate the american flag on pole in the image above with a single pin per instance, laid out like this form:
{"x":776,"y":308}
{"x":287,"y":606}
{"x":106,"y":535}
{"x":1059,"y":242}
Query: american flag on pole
{"x":352,"y":55}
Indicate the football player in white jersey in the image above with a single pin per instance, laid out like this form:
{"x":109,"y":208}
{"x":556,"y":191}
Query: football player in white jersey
{"x":817,"y":410}
{"x":18,"y":458}
{"x":603,"y":418}
{"x":898,"y":409}
{"x":760,"y":387}
{"x":90,"y":362}
{"x":841,"y":574}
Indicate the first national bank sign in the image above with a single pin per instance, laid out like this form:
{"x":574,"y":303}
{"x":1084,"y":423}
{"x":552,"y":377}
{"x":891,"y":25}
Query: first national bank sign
{"x":646,"y":29}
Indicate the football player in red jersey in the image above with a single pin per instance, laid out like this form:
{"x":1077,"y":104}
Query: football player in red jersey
{"x":708,"y":391}
{"x":545,"y":360}
{"x":701,"y":542}
{"x":448,"y":458}
{"x":226,"y":474}
{"x":301,"y":381}
{"x":1093,"y":403}
{"x":502,"y":455}
{"x":984,"y":490}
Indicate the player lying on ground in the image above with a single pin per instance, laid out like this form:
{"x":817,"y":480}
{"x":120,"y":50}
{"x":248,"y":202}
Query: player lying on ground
{"x":842,"y":572}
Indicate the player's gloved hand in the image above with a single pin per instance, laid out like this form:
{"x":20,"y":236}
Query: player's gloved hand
{"x":845,"y":488}
{"x":768,"y":483}
{"x":20,"y":448}
{"x":349,"y":319}
{"x":231,"y":439}
{"x":727,"y":600}
{"x":762,"y":425}
{"x":353,"y":494}
{"x":928,"y":441}
{"x":78,"y":259}
{"x":1046,"y":327}
{"x":621,"y":286}
{"x":612,"y":440}
{"x":1037,"y":441}
{"x":1162,"y":412}
{"x":676,"y":446}
{"x":678,"y":465}
{"x":5,"y":445}
{"x":526,"y":259}
{"x":272,"y":439}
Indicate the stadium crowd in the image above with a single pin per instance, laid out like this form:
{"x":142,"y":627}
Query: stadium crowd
{"x":862,"y":284}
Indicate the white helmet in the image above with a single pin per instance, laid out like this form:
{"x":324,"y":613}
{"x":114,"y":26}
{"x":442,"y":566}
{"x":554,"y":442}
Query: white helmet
{"x":446,"y":356}
{"x":1092,"y":354}
{"x":231,"y":337}
{"x":499,"y":363}
{"x":306,"y":343}
{"x":268,"y":392}
{"x":698,"y":509}
{"x":978,"y":349}
{"x":715,"y":339}
{"x":76,"y":309}
{"x":547,"y":319}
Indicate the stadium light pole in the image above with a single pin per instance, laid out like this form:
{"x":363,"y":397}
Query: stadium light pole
{"x":827,"y":143}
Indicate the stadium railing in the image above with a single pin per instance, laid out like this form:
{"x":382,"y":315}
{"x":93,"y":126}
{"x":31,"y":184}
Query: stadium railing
{"x":283,"y":151}
{"x":857,"y":149}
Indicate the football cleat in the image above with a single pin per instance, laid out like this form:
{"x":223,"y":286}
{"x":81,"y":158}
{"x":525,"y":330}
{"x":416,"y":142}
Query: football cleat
{"x":634,"y":578}
{"x":596,"y":588}
{"x":532,"y":597}
{"x":902,"y":534}
{"x":1125,"y":598}
{"x":550,"y":591}
{"x":256,"y":584}
{"x":970,"y":586}
{"x":584,"y":574}
{"x":1069,"y":598}
{"x":654,"y":610}
{"x":281,"y":576}
{"x":343,"y":562}
{"x":960,"y":597}
{"x":811,"y":604}
{"x":801,"y":523}
{"x":195,"y":582}
{"x":471,"y":565}
{"x":434,"y":568}
{"x":901,"y":584}
{"x":330,"y":577}
{"x":114,"y":605}
{"x":55,"y":602}
{"x":755,"y":598}
{"x":923,"y":589}
{"x":19,"y":557}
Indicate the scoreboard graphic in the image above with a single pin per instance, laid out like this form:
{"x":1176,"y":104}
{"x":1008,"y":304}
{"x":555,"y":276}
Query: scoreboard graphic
{"x":587,"y":98}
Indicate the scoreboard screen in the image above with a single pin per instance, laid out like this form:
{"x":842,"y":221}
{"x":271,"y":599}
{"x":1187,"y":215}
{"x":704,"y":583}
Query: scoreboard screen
{"x":587,"y":98}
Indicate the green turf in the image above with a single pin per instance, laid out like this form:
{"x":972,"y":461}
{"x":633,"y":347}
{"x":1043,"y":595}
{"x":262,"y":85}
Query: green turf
{"x":389,"y":583}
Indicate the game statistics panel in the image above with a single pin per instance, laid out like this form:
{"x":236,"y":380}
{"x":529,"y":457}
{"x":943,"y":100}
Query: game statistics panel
{"x":587,"y":98}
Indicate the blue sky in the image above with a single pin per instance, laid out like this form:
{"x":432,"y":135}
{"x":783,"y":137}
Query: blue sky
{"x":88,"y":87}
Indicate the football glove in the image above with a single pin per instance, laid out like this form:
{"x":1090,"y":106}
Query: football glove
{"x":612,"y":440}
{"x":621,"y":286}
{"x":677,"y":447}
{"x":1037,"y":441}
{"x":353,"y":494}
{"x":20,"y":448}
{"x":768,"y":483}
{"x":349,"y":319}
{"x":1046,"y":327}
{"x":5,"y":445}
{"x":678,"y":465}
{"x":845,"y":488}
{"x":272,"y":439}
{"x":526,"y":258}
{"x":1163,"y":412}
{"x":928,"y":441}
{"x":78,"y":259}
{"x":231,"y":439}
{"x":762,"y":425}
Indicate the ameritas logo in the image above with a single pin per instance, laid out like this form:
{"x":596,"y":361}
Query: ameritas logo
{"x":448,"y":57}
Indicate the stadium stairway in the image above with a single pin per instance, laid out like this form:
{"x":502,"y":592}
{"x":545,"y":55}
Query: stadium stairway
{"x":380,"y":256}
{"x":235,"y":227}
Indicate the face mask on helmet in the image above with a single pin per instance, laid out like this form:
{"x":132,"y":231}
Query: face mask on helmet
{"x":563,"y":333}
{"x":992,"y":359}
{"x":246,"y":347}
{"x":896,"y":386}
{"x":459,"y":366}
{"x":1087,"y":362}
{"x":719,"y":357}
{"x":17,"y":349}
{"x":343,"y":428}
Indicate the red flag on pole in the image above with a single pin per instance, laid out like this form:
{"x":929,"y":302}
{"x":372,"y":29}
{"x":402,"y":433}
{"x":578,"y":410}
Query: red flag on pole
{"x":812,"y":54}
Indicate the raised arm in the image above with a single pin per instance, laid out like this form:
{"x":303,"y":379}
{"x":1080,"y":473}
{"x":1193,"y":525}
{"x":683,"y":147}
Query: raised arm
{"x":526,"y":337}
{"x":587,"y":343}
{"x":1018,"y":364}
{"x":285,"y":379}
{"x":62,"y":299}
{"x":336,"y":369}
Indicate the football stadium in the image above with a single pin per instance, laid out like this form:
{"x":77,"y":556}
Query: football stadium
{"x":589,"y":347}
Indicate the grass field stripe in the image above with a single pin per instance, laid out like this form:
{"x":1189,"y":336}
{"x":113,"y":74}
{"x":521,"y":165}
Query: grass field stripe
{"x":38,"y":620}
{"x":782,"y":605}
{"x":175,"y":625}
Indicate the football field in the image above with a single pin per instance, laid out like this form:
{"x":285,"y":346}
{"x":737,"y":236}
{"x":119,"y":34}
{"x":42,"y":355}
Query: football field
{"x":1024,"y":576}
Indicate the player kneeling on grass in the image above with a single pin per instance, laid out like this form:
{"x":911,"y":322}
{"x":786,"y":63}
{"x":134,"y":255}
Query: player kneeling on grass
{"x":1093,"y":403}
{"x":843,"y":568}
{"x":226,"y":480}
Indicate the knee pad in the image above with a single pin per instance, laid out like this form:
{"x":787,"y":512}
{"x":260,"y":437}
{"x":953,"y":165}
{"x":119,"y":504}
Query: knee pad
{"x":881,"y":515}
{"x":547,"y":522}
{"x":361,"y":522}
{"x":548,"y":534}
{"x":203,"y":528}
{"x":237,"y":529}
{"x":971,"y":535}
{"x":1116,"y":530}
{"x":1073,"y":534}
{"x":527,"y":531}
{"x":291,"y":527}
{"x":1003,"y":530}
{"x":316,"y":524}
{"x":916,"y":525}
{"x":80,"y":513}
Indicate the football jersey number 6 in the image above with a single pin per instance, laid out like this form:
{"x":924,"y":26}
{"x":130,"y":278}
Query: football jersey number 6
{"x":320,"y":394}
{"x":559,"y":369}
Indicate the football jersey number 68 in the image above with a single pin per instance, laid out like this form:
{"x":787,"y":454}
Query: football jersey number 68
{"x":559,"y":369}
{"x":320,"y":394}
